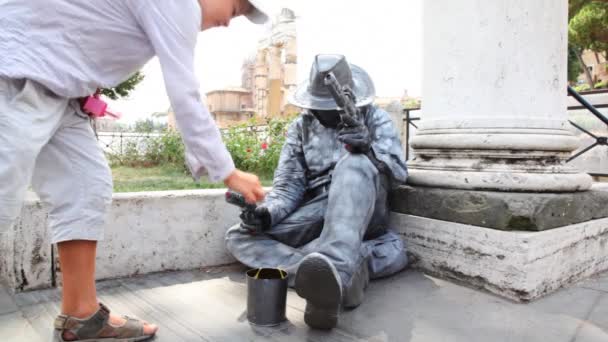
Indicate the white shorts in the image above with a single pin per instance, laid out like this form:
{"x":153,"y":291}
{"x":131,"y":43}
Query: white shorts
{"x":46,"y":141}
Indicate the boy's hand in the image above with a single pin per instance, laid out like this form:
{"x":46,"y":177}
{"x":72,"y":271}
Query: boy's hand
{"x":247,"y":184}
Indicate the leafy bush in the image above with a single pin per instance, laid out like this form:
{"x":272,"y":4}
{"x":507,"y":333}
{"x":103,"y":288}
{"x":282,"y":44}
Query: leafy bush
{"x":412,"y":104}
{"x":166,"y":149}
{"x":582,"y":87}
{"x":257,"y":148}
{"x":601,"y":84}
{"x":253,"y":148}
{"x":125,"y":88}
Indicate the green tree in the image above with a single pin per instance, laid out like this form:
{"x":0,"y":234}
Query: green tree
{"x":412,"y":103}
{"x":158,"y":115}
{"x":144,"y":126}
{"x":587,"y":30}
{"x":574,"y":64}
{"x":123,"y":89}
{"x":588,"y":27}
{"x":162,"y":126}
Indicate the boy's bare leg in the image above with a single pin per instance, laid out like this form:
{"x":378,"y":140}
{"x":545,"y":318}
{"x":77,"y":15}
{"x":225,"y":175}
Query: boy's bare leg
{"x":77,"y":260}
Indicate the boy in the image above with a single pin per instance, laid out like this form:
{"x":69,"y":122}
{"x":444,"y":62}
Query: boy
{"x":55,"y":51}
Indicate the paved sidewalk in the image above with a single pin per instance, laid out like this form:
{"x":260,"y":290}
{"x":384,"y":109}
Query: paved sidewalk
{"x":210,"y":306}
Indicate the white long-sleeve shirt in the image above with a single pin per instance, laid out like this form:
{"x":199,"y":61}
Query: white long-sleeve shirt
{"x":73,"y":47}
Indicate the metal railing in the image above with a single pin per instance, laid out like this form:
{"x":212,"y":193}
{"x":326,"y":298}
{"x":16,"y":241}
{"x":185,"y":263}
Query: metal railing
{"x":409,"y":121}
{"x":599,"y":140}
{"x":118,"y":142}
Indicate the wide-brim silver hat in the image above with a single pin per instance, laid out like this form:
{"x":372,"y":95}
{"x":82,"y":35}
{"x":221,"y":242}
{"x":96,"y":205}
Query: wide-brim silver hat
{"x":314,"y":94}
{"x":258,"y":14}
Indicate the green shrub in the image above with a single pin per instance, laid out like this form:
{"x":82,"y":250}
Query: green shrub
{"x":253,"y":148}
{"x":412,"y":104}
{"x":601,"y":84}
{"x":257,"y":151}
{"x":582,"y":87}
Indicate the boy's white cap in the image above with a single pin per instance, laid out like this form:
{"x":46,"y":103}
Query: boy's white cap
{"x":257,"y":15}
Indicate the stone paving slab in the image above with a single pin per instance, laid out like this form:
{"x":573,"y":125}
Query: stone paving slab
{"x":14,"y":327}
{"x":599,"y":283}
{"x":7,"y":304}
{"x":209,"y":305}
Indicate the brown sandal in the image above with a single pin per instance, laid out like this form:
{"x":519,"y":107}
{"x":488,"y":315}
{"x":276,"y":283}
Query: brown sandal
{"x":97,"y":328}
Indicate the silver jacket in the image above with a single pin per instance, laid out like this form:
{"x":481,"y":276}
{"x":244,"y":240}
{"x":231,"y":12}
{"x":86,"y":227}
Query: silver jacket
{"x":312,"y":150}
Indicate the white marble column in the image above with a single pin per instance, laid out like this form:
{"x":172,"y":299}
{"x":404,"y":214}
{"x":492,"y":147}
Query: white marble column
{"x":494,"y":98}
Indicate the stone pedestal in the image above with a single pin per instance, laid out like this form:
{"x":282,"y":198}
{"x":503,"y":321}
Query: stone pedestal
{"x":521,"y":266}
{"x":493,"y":203}
{"x":495,"y":101}
{"x":503,"y":211}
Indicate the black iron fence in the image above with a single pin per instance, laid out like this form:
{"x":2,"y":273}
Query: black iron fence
{"x":599,"y":139}
{"x":409,"y":123}
{"x":117,"y":143}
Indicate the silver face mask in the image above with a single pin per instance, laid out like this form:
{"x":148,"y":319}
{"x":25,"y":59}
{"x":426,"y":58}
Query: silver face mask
{"x":327,"y":118}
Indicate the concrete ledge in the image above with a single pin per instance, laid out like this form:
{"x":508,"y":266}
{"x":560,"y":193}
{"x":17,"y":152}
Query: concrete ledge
{"x":4,"y":257}
{"x":180,"y":230}
{"x":25,"y":251}
{"x":145,"y":233}
{"x":161,"y":231}
{"x":518,"y":265}
{"x":503,"y":210}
